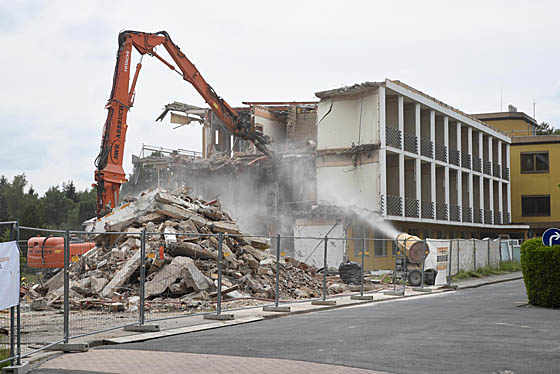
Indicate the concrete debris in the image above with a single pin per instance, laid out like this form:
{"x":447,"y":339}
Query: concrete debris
{"x":181,"y":264}
{"x":39,"y":304}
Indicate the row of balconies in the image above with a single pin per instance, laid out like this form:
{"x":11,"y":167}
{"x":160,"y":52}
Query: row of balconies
{"x":440,"y":211}
{"x":456,"y":157}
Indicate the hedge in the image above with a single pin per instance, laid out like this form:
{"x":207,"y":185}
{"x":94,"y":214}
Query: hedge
{"x":541,"y":272}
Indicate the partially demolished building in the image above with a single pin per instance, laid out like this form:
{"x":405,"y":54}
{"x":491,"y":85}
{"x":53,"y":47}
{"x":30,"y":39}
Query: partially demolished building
{"x":377,"y":149}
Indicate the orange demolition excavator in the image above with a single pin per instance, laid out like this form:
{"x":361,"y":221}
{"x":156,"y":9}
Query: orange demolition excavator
{"x":109,"y":173}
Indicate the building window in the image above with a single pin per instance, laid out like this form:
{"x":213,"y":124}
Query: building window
{"x":359,"y":232}
{"x":380,"y":248}
{"x":535,"y":206}
{"x":536,"y":162}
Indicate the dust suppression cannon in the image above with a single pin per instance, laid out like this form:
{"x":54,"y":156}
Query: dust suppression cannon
{"x":410,"y":260}
{"x":415,"y":248}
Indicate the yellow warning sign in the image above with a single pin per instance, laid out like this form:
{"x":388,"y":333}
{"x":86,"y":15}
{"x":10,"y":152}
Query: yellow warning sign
{"x":226,"y":254}
{"x":75,"y":258}
{"x":282,"y":253}
{"x":151,"y":255}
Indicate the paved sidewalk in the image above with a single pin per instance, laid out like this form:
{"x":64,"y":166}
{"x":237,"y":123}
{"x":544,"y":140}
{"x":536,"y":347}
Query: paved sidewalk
{"x":132,"y":362}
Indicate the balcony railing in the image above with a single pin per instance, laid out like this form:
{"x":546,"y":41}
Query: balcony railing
{"x":393,"y":137}
{"x":467,"y":214}
{"x":441,"y":211}
{"x":497,"y":218}
{"x":505,"y":173}
{"x":426,"y":147}
{"x":394,"y":205}
{"x":487,"y":167}
{"x":477,"y":164}
{"x":465,"y":160}
{"x":478,"y":216}
{"x":454,"y":156}
{"x":497,"y":170}
{"x":441,"y":152}
{"x":427,"y":209}
{"x":411,"y":208}
{"x":508,"y":220}
{"x":410,"y":142}
{"x":487,"y":217}
{"x":381,"y":203}
{"x":455,"y":213}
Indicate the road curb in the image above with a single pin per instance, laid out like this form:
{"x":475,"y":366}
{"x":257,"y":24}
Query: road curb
{"x":488,"y":283}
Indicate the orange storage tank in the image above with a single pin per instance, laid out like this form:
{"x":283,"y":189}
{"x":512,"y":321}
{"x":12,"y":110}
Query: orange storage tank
{"x":48,"y":253}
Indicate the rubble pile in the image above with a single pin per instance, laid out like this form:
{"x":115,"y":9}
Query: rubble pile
{"x":181,"y":260}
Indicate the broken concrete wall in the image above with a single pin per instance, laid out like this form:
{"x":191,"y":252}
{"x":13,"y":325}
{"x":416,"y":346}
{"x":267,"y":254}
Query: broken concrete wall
{"x":306,"y":127}
{"x":272,"y":126}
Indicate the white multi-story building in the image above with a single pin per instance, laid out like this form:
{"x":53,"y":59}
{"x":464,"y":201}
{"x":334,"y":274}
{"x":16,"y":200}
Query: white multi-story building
{"x":420,"y":163}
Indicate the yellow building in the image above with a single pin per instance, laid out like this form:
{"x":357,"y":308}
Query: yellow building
{"x":535,"y":182}
{"x":511,"y":123}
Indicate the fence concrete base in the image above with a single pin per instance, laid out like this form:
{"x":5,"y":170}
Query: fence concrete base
{"x":276,"y":309}
{"x":142,"y":328}
{"x":219,"y":317}
{"x":420,"y":289}
{"x":70,"y":347}
{"x":394,"y":293}
{"x":360,"y":297}
{"x":323,"y":302}
{"x":17,"y":369}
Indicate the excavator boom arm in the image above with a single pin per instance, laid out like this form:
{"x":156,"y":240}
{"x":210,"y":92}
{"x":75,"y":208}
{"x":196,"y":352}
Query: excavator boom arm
{"x":109,"y":173}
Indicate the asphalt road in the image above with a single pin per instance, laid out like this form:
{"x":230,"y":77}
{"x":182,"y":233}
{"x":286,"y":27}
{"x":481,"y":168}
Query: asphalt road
{"x":481,"y":330}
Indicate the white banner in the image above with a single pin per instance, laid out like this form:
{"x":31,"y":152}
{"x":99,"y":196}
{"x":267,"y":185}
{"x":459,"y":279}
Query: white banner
{"x":9,"y":275}
{"x":438,"y":259}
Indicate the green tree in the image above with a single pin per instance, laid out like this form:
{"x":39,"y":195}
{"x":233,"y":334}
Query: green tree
{"x":70,"y":191}
{"x":57,"y":206}
{"x":546,"y":128}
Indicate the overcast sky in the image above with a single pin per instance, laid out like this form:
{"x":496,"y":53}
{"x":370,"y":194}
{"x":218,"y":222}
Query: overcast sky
{"x":58,"y":59}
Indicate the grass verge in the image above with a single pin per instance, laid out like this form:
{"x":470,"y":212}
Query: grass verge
{"x":504,"y":268}
{"x":4,"y":353}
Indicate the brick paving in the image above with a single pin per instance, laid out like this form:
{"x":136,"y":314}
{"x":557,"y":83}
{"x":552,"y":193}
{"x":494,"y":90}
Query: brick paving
{"x":134,"y":362}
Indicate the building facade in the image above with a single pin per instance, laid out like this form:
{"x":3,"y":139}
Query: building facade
{"x":511,"y":123}
{"x":428,"y":168}
{"x":536,"y":182}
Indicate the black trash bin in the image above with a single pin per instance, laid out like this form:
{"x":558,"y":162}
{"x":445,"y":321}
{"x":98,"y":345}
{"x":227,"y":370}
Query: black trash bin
{"x":350,"y":272}
{"x":430,"y":276}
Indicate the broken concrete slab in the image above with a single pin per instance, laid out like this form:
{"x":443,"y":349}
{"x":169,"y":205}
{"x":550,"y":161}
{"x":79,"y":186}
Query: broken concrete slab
{"x":97,"y":284}
{"x":194,"y":250}
{"x":224,"y":227}
{"x":260,"y":243}
{"x":166,"y":198}
{"x":180,"y":268}
{"x":121,"y":277}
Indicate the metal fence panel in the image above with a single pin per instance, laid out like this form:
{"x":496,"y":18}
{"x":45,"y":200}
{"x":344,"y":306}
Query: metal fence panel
{"x":481,"y":252}
{"x":454,"y":257}
{"x":103,"y":282}
{"x":42,"y":288}
{"x":8,"y":321}
{"x":466,"y":255}
{"x":495,"y":253}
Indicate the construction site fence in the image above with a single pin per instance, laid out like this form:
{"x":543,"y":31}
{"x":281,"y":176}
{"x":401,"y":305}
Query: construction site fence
{"x":145,"y":289}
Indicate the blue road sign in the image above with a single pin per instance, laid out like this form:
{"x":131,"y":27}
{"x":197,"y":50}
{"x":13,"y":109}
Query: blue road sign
{"x":551,"y":237}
